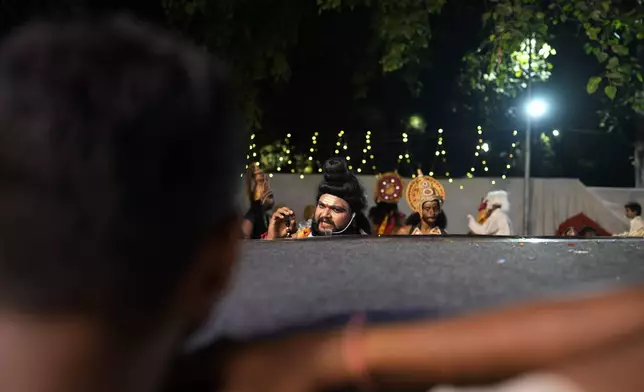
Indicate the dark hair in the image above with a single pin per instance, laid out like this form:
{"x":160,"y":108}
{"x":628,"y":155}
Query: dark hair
{"x":116,"y":161}
{"x":569,"y":229}
{"x":587,"y":229}
{"x":340,"y":182}
{"x":362,"y":223}
{"x":635,"y":207}
{"x":414,"y":220}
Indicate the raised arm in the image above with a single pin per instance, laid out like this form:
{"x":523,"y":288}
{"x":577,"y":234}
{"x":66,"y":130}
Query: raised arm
{"x":489,"y":226}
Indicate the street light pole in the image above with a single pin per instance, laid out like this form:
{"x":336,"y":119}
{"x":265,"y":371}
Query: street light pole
{"x":526,"y":173}
{"x":527,"y":149}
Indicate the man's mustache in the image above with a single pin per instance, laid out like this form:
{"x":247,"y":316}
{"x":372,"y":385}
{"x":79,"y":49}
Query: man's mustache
{"x":325,"y":220}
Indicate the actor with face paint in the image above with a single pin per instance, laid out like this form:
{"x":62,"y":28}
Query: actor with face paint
{"x":341,"y":201}
{"x":425,"y":196}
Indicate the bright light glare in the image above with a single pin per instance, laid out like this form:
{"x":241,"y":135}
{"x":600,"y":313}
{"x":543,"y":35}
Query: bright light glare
{"x":485,"y":147}
{"x":536,"y":108}
{"x":555,"y":133}
{"x":416,"y":122}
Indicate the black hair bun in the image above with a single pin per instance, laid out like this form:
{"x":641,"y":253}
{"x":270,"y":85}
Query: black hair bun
{"x":336,"y":171}
{"x":340,"y":182}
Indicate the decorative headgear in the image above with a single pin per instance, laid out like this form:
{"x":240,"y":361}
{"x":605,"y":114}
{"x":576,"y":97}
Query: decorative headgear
{"x":257,"y":186}
{"x":389,"y":188}
{"x":499,"y":198}
{"x":423,"y":189}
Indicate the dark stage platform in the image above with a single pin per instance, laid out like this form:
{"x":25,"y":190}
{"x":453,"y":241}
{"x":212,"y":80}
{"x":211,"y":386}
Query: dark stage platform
{"x":290,"y":282}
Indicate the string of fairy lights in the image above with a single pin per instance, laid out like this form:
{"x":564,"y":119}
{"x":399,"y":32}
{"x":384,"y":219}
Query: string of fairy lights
{"x":405,"y":156}
{"x":440,"y":156}
{"x":251,"y":155}
{"x":313,"y":151}
{"x":285,"y":161}
{"x":510,"y":157}
{"x":286,"y":157}
{"x":342,"y":145}
{"x":367,"y":154}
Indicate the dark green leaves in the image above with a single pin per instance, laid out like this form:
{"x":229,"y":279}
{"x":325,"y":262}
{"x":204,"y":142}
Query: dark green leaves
{"x":593,"y":84}
{"x":610,"y":91}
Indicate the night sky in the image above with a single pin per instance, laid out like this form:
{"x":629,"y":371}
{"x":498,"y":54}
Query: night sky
{"x":320,"y":97}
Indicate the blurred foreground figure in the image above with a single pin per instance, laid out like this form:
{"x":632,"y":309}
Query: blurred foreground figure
{"x":340,"y":208}
{"x":117,"y":180}
{"x":497,"y":221}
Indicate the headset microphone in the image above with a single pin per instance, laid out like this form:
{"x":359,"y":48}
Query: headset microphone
{"x":331,"y":232}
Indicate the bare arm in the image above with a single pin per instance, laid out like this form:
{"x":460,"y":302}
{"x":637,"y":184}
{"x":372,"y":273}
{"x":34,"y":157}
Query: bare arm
{"x":618,"y":368}
{"x":486,"y":228}
{"x":504,"y":343}
{"x":481,"y":348}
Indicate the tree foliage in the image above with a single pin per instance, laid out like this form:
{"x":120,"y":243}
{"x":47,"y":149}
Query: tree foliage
{"x":402,"y":26}
{"x":280,"y":157}
{"x":257,"y":36}
{"x":254,"y":35}
{"x":613,"y":32}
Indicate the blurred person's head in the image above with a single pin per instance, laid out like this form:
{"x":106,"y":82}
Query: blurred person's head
{"x":570,"y":232}
{"x":259,"y":188}
{"x":588,"y":232}
{"x":118,"y":174}
{"x":632,"y":210}
{"x":341,"y":198}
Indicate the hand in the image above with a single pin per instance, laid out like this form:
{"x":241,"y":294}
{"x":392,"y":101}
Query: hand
{"x":277,"y":225}
{"x":470,"y":217}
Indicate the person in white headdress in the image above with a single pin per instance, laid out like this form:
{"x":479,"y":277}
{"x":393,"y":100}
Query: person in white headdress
{"x":498,"y":221}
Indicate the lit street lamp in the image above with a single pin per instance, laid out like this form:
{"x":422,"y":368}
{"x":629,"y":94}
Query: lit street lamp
{"x":534,"y":109}
{"x":555,"y":132}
